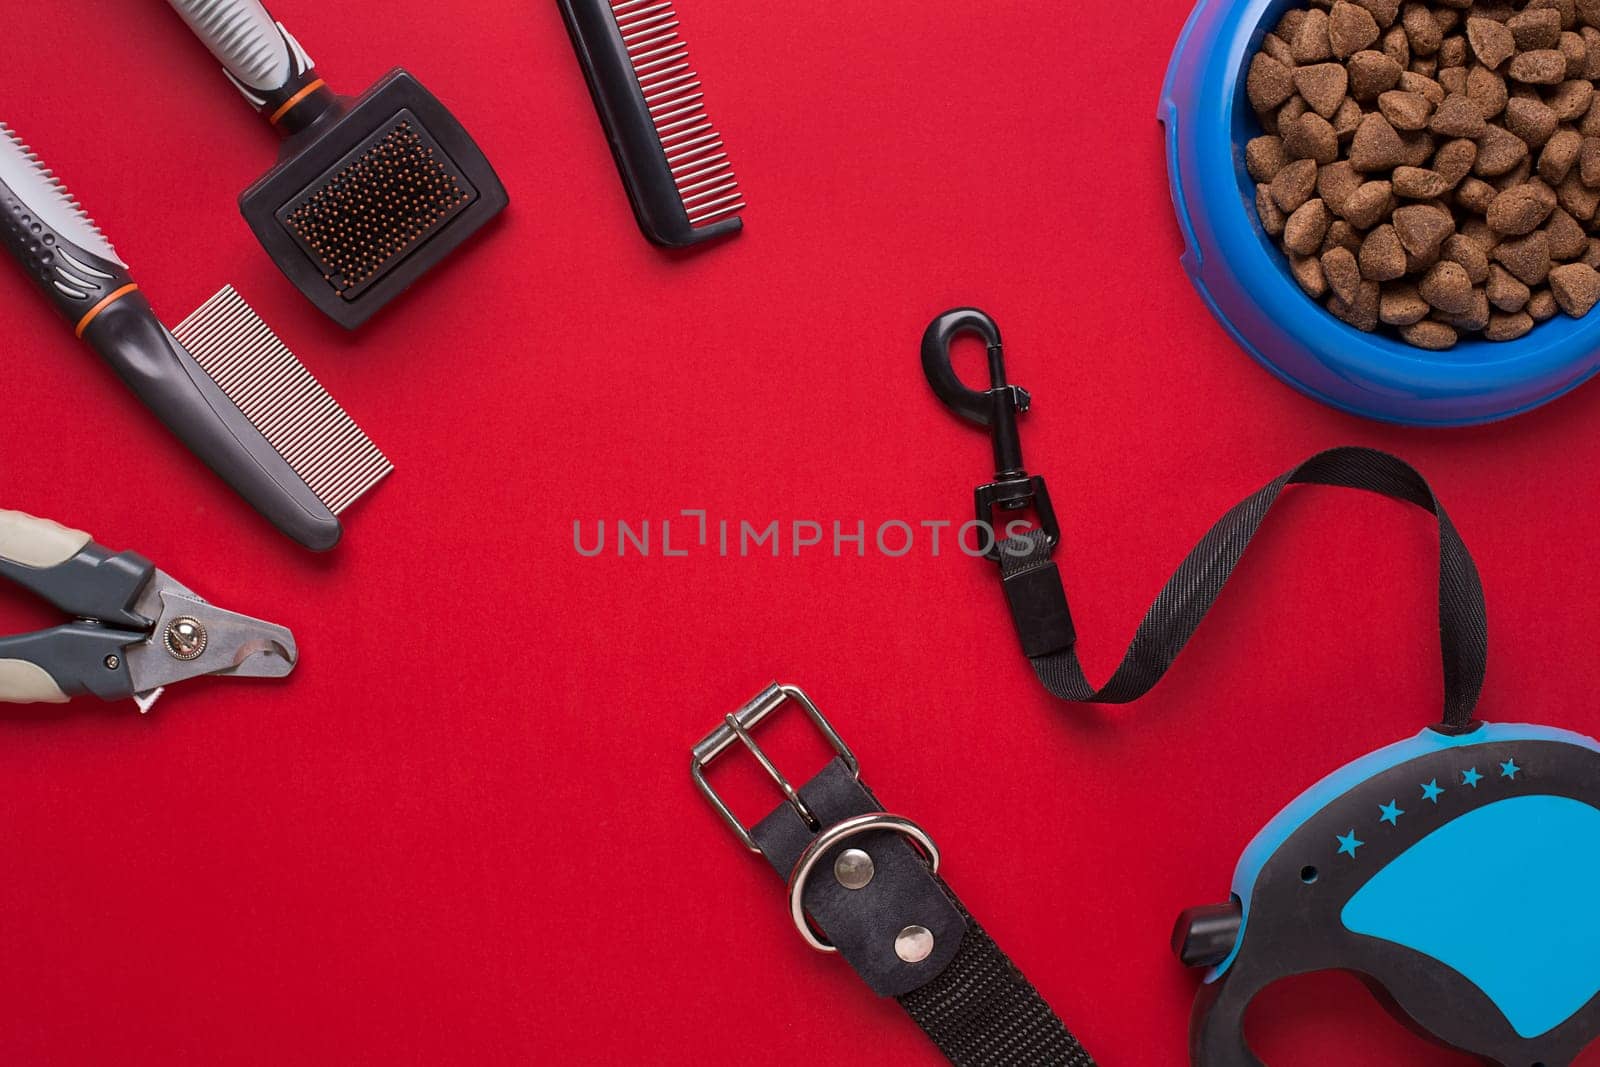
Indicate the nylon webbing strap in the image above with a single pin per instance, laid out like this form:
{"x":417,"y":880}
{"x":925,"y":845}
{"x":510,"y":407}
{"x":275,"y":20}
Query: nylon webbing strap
{"x":1039,"y":602}
{"x":982,"y":1012}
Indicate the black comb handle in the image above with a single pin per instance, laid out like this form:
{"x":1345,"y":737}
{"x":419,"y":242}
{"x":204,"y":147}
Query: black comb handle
{"x":264,"y":62}
{"x":635,"y":142}
{"x":66,"y":255}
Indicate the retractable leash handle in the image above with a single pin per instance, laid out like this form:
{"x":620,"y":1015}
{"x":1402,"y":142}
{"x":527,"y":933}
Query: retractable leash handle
{"x":1347,"y":877}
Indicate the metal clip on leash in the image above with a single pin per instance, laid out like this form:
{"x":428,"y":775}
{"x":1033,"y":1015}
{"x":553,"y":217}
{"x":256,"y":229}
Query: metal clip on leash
{"x":863,"y":883}
{"x":1037,"y":598}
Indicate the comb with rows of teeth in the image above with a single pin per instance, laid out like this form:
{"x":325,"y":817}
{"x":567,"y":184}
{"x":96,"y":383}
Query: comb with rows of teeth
{"x":672,"y":158}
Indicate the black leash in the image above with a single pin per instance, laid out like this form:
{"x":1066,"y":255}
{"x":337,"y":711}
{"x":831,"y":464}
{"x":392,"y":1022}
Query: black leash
{"x":1038,"y":600}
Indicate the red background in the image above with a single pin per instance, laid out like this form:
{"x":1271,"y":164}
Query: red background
{"x":463,"y":831}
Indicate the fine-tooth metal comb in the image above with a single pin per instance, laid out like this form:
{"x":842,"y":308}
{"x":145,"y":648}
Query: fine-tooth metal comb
{"x":368,"y":194}
{"x":276,"y":392}
{"x":672,"y":158}
{"x":224,"y":385}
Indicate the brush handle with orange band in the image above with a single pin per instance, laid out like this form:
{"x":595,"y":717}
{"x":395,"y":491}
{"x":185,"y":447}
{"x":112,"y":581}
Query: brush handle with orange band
{"x":264,"y":62}
{"x":73,"y":264}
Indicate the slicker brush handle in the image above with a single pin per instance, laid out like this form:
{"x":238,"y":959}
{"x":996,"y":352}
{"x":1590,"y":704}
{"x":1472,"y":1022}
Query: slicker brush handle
{"x":264,"y":62}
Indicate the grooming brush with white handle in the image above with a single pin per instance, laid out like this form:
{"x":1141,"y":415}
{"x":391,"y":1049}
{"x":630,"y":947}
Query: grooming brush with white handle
{"x":224,"y":384}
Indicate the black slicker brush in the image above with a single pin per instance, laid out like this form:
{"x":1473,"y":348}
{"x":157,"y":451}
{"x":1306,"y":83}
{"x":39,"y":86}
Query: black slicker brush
{"x":367,"y":194}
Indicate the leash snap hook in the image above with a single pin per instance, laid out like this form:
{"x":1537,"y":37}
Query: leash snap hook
{"x":996,"y":409}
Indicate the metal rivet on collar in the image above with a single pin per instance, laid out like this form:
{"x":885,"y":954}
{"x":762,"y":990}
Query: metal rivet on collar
{"x":854,"y":868}
{"x":914,"y":944}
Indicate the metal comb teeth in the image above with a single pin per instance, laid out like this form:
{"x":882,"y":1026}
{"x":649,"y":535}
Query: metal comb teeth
{"x":274,"y":390}
{"x":700,"y":167}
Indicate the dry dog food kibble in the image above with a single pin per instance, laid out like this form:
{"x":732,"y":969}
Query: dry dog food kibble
{"x":1432,"y":167}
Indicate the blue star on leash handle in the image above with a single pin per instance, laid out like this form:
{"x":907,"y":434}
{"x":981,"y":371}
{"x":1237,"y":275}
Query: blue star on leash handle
{"x":136,"y":629}
{"x":1454,"y":873}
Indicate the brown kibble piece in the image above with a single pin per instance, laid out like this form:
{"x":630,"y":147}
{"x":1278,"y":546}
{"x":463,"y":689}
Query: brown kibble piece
{"x":1528,"y":258}
{"x":1458,"y":248}
{"x":1351,"y":29}
{"x":1311,"y":137}
{"x":1366,"y":206}
{"x":1577,"y":199}
{"x":1589,"y":161}
{"x":1567,"y":239}
{"x":1505,"y":291}
{"x":1559,"y":155}
{"x":1397,"y":46}
{"x":1382,"y":258}
{"x":1307,"y":273}
{"x":1264,"y":157}
{"x":1453,"y":161}
{"x":1571,"y":99}
{"x":1310,"y":43}
{"x":1491,"y":41}
{"x":1323,"y":87}
{"x":1542,"y":306}
{"x":1362,"y":313}
{"x":1447,"y":287}
{"x":1408,"y":111}
{"x":1591,"y":255}
{"x":1453,"y":57}
{"x":1503,"y":327}
{"x":1519,"y":211}
{"x":1341,"y":235}
{"x":1383,"y":11}
{"x":1376,"y":146}
{"x":1473,"y":320}
{"x":1423,"y":228}
{"x":1372,"y":73}
{"x":1458,"y":116}
{"x":1412,"y":82}
{"x":1434,"y":336}
{"x":1347,"y":119}
{"x":1267,"y":210}
{"x":1544,"y":67}
{"x":1401,"y":305}
{"x":1476,"y":195}
{"x":1343,"y":274}
{"x":1577,"y":52}
{"x":1306,"y":228}
{"x":1488,"y":90}
{"x":1422,"y":30}
{"x":1499,"y":151}
{"x":1532,"y":120}
{"x":1535,"y":28}
{"x":1335,"y":183}
{"x":1576,"y":287}
{"x":1415,"y":183}
{"x":1294,"y":184}
{"x":1268,"y":84}
{"x":1453,"y":79}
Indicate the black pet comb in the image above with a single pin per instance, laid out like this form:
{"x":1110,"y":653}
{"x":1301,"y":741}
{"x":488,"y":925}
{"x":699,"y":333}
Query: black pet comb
{"x":367,"y":194}
{"x":672,"y":159}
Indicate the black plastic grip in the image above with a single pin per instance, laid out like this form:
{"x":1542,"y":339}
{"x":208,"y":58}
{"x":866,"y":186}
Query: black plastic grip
{"x":95,"y":583}
{"x":81,"y":657}
{"x":75,"y":279}
{"x":632,"y":135}
{"x":169,"y":381}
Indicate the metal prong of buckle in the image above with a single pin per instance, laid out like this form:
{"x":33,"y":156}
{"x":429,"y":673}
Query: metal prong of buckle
{"x":736,"y":727}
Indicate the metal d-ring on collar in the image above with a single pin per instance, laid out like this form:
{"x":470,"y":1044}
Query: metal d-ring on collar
{"x":838,"y":834}
{"x":996,"y":408}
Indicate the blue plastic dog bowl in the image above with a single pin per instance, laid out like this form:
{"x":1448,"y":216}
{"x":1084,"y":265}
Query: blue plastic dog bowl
{"x":1244,"y":277}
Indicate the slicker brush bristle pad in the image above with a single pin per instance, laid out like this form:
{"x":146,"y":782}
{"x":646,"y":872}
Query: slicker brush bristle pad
{"x":381,"y":201}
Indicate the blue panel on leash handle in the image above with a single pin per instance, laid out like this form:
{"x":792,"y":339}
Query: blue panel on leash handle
{"x":1455,"y":873}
